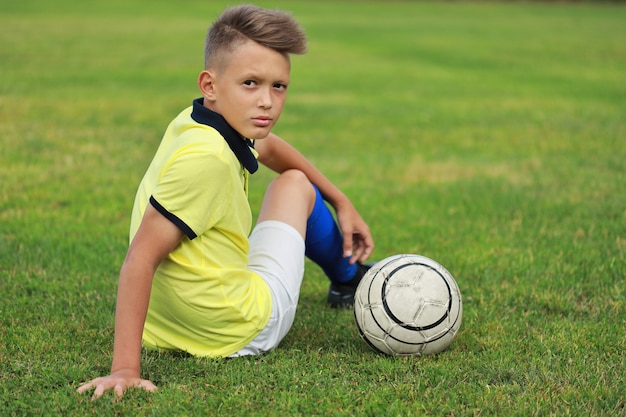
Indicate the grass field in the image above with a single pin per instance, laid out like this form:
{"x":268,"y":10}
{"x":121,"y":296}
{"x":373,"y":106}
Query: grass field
{"x":490,"y":137}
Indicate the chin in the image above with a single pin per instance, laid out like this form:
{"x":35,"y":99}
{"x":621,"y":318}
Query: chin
{"x":258,"y":134}
{"x":261,"y":137}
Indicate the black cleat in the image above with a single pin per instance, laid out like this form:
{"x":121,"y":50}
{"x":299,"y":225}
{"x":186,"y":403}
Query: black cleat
{"x":341,"y":295}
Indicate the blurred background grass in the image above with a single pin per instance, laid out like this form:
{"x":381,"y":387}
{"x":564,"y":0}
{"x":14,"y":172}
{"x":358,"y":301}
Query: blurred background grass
{"x":488,"y":136}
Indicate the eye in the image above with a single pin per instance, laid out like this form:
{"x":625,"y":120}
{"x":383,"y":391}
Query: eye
{"x":280,"y":86}
{"x":249,"y":83}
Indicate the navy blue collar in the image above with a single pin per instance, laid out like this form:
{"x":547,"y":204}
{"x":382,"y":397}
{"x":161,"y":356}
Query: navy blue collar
{"x":239,"y":145}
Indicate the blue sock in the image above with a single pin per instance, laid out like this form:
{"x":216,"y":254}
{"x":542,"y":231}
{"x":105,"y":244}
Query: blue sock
{"x":324,"y":243}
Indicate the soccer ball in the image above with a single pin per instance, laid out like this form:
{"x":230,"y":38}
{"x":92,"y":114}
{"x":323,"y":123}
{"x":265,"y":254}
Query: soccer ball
{"x":408,"y":305}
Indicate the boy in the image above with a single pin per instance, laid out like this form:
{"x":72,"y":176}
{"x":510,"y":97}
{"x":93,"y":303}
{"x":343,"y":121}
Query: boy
{"x":192,"y":280}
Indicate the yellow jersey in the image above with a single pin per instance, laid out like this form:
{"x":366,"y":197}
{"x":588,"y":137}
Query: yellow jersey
{"x":204,"y":300}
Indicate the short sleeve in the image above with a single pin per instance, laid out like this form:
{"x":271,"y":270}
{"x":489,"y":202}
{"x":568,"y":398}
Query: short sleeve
{"x":191,"y":189}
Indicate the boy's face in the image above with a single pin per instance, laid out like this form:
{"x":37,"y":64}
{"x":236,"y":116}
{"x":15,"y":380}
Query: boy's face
{"x":248,"y":89}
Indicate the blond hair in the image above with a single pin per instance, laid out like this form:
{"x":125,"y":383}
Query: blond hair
{"x":274,"y":29}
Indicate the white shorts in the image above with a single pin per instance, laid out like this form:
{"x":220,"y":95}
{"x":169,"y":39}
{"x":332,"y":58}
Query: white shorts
{"x":277,"y":256}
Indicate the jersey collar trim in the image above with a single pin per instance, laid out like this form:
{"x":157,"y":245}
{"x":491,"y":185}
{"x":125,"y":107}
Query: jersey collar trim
{"x":241,"y":147}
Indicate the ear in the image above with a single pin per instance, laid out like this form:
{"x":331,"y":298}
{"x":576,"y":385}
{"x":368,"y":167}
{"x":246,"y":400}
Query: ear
{"x":206,"y":83}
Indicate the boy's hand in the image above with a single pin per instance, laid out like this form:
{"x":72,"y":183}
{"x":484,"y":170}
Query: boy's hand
{"x":119,"y":382}
{"x":358,"y":243}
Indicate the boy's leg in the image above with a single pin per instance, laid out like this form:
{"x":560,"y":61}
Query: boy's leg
{"x":277,"y":253}
{"x":294,"y":200}
{"x":293,"y":209}
{"x":324,"y":243}
{"x":290,"y":198}
{"x":324,"y":246}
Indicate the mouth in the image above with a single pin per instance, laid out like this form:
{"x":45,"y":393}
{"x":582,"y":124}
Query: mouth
{"x":262,"y":121}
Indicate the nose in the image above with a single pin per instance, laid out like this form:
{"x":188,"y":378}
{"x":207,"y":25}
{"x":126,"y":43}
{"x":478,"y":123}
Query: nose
{"x":265,"y":98}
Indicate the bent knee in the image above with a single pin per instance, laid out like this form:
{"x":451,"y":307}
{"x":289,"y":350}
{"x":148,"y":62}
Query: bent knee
{"x":294,"y":175}
{"x":294,"y":179}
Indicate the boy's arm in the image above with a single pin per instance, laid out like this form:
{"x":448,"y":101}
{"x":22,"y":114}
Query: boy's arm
{"x":280,"y":156}
{"x":155,"y":239}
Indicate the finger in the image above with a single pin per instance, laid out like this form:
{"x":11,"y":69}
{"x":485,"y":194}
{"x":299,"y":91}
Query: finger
{"x":148,"y":385}
{"x":357,"y":249}
{"x":369,"y":247}
{"x":347,"y":247}
{"x":366,"y":247}
{"x":119,"y":391}
{"x":348,"y":230}
{"x":89,"y":385}
{"x":97,"y":393}
{"x":85,"y":387}
{"x":360,"y":254}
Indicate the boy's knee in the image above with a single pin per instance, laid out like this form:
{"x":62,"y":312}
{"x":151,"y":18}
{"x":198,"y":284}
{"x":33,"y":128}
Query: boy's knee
{"x":296,"y":181}
{"x":294,"y":175}
{"x":295,"y":178}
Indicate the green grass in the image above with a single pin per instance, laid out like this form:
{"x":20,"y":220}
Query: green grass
{"x":488,"y":136}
